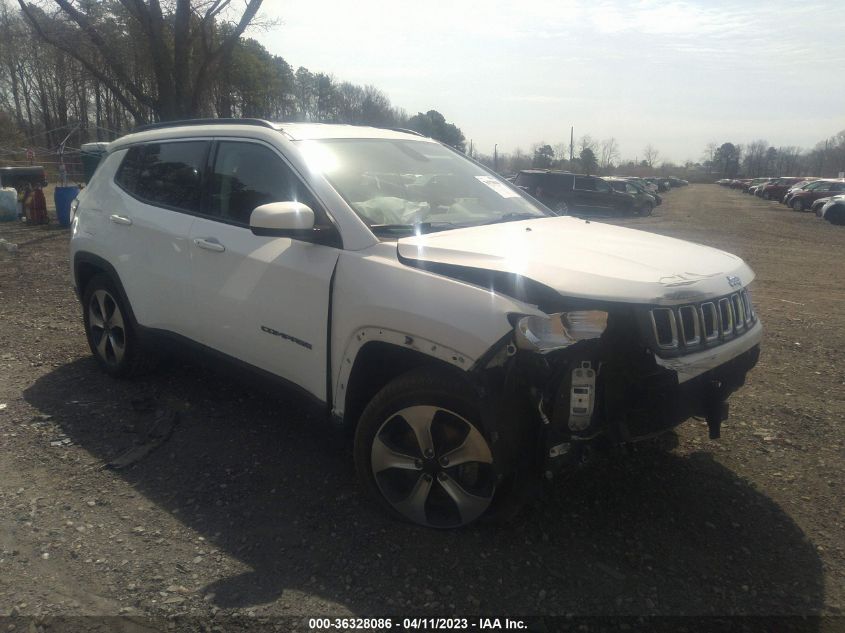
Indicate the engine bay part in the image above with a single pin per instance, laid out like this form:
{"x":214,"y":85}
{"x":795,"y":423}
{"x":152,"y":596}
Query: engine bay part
{"x":582,"y":396}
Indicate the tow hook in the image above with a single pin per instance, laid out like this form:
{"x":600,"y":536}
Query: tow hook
{"x":715,"y":410}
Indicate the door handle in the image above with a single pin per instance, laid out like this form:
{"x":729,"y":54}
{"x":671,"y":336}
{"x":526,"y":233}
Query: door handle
{"x":209,"y":244}
{"x":120,"y":219}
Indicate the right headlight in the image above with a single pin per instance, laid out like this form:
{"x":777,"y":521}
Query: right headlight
{"x":547,"y":333}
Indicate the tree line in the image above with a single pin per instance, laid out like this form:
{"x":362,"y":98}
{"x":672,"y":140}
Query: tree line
{"x":586,"y":155}
{"x":726,"y":160}
{"x":94,"y":69}
{"x":758,"y":158}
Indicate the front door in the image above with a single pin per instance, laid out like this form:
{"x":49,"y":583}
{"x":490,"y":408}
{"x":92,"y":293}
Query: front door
{"x":263,"y":300}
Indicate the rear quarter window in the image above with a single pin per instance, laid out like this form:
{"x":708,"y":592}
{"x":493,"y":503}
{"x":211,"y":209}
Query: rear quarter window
{"x":526,"y":180}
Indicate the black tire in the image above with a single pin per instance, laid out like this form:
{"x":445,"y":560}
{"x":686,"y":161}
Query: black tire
{"x":798,"y":205}
{"x":413,"y":484}
{"x":114,"y":343}
{"x":836,"y":215}
{"x":647,"y":209}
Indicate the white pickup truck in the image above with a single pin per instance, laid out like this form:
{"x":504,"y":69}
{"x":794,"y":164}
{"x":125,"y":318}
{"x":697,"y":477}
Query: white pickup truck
{"x":464,"y":331}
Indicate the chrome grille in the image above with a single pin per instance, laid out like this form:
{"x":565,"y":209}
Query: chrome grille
{"x":687,"y":328}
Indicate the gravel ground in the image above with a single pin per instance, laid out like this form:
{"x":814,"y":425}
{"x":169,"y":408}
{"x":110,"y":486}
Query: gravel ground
{"x":251,"y":507}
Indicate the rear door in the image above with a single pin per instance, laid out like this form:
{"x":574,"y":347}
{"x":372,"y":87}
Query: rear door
{"x":263,"y":300}
{"x":160,"y":191}
{"x":559,"y":191}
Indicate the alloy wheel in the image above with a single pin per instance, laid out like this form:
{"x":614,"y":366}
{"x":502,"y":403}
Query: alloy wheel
{"x":433,"y":466}
{"x":106,"y":327}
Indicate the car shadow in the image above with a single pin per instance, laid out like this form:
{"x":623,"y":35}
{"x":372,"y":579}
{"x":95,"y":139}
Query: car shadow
{"x":263,"y":478}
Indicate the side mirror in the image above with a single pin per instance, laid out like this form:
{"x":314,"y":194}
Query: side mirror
{"x":282,"y":219}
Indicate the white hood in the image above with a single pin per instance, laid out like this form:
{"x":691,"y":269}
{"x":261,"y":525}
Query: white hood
{"x":588,"y":259}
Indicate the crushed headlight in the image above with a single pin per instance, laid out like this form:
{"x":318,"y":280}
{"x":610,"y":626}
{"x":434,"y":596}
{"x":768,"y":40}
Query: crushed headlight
{"x":546,"y":333}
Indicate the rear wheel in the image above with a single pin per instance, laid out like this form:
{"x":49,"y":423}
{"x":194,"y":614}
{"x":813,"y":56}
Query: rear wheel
{"x":421,"y":452}
{"x":798,"y":205}
{"x":110,"y":332}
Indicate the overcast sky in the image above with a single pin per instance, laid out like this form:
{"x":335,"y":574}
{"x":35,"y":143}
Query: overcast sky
{"x":674,"y":74}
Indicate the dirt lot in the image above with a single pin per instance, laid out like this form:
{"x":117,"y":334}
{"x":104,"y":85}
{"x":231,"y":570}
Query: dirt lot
{"x":251,"y":509}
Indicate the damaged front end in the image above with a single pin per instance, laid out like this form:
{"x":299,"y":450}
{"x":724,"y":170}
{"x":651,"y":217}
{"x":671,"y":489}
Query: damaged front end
{"x":596,"y":372}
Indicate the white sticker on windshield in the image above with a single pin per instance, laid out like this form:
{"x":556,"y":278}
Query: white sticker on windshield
{"x":500,"y":188}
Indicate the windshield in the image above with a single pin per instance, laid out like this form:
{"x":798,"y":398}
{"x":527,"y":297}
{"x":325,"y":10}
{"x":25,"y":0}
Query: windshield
{"x":402,"y":186}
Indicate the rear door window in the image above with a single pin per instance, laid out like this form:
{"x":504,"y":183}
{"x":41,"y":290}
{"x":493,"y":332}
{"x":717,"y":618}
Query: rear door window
{"x":560,"y":184}
{"x":585,"y":183}
{"x":165,"y":174}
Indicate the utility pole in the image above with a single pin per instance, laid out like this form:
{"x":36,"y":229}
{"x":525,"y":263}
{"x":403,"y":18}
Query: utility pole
{"x":496,"y":157}
{"x":824,"y":158}
{"x":571,"y":145}
{"x":470,"y":148}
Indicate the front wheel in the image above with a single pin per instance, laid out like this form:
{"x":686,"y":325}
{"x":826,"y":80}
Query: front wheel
{"x":647,"y":209}
{"x":421,"y":452}
{"x":836,"y":215}
{"x":798,"y":205}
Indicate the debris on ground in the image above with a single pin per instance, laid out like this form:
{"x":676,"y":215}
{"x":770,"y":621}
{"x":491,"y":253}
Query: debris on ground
{"x":161,"y":431}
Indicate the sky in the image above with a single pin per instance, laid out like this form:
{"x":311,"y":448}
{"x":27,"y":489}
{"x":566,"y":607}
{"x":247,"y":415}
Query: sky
{"x":676,"y":75}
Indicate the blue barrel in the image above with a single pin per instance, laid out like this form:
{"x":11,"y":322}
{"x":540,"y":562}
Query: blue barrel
{"x":63,"y":197}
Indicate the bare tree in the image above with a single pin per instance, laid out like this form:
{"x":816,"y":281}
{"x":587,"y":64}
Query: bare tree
{"x":755,"y":158}
{"x":185,"y":41}
{"x":609,"y":153}
{"x":650,"y":155}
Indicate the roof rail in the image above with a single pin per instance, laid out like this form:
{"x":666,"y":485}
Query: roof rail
{"x":167,"y":124}
{"x":406,"y":130}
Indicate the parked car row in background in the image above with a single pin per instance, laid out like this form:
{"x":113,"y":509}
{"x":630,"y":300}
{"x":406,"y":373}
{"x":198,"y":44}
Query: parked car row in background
{"x":823,"y":196}
{"x":580,"y":194}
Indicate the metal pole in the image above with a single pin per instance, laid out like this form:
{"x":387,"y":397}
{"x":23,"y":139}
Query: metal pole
{"x":62,"y":167}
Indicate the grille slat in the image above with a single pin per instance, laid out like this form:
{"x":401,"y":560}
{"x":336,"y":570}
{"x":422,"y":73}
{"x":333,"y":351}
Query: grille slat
{"x":709,"y":320}
{"x":665,"y":327}
{"x":692,"y":326}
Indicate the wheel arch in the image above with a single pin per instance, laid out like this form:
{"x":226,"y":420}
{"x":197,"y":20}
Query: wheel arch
{"x":380,"y":355}
{"x":86,"y":265}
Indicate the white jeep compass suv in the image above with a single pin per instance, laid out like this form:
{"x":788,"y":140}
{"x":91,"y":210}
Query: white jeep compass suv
{"x":464,"y":331}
